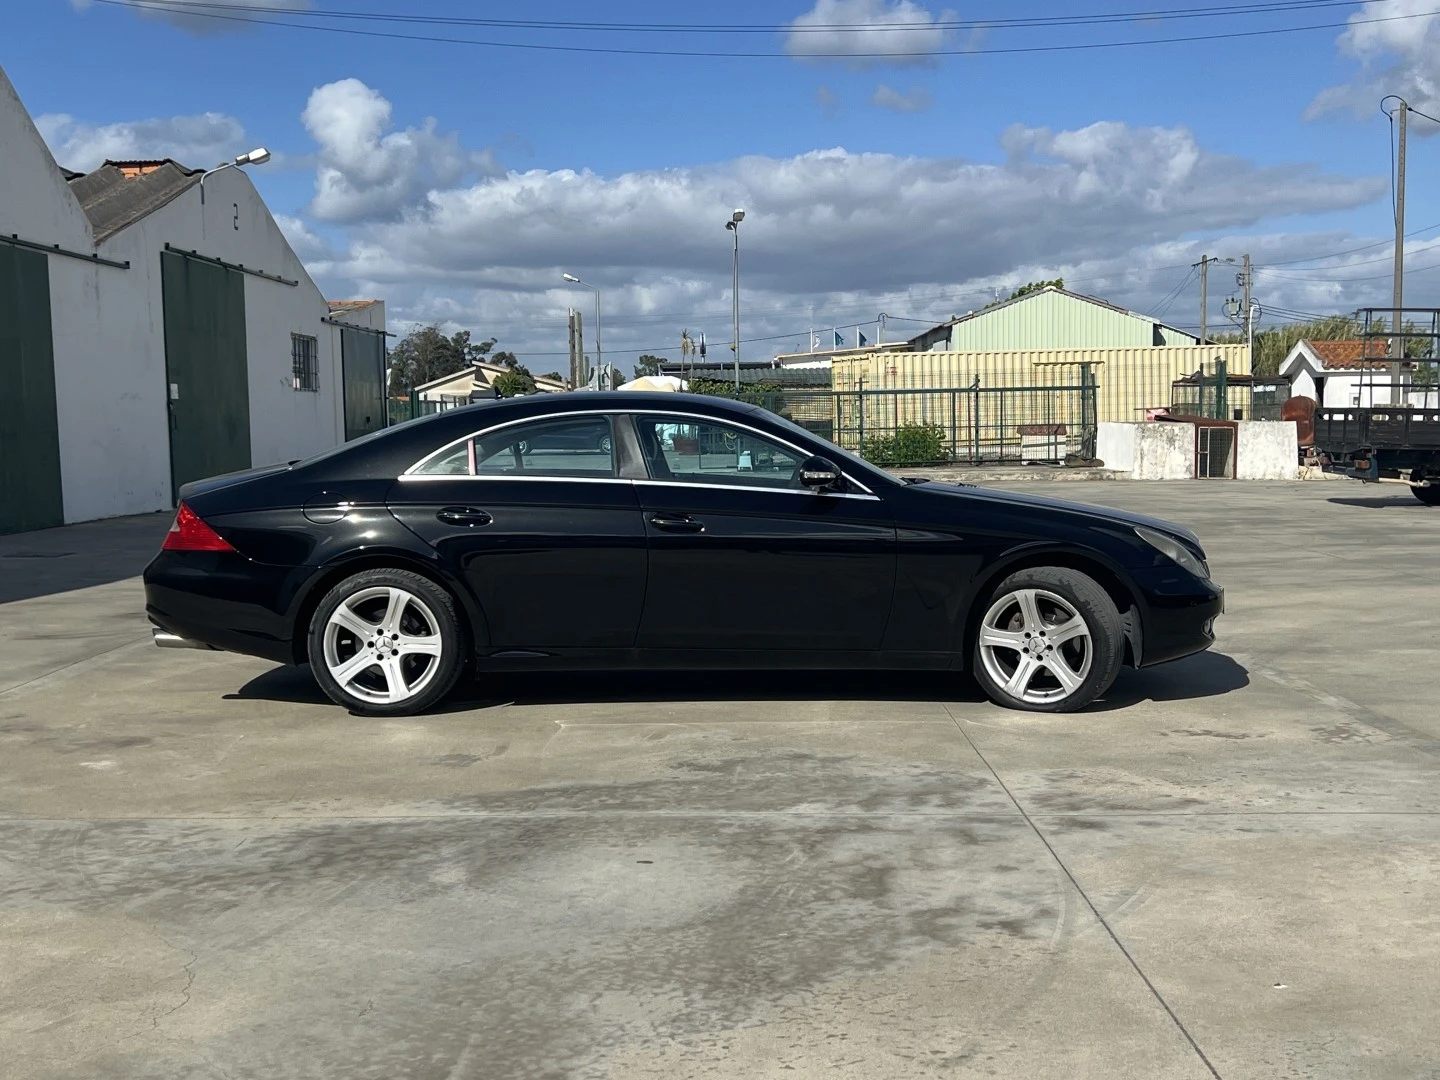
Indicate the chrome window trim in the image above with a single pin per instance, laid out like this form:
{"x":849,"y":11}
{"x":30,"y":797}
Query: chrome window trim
{"x":412,"y":472}
{"x":430,"y":478}
{"x":767,"y":490}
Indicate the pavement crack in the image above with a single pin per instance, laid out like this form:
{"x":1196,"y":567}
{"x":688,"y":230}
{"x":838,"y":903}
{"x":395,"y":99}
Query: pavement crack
{"x":189,"y":970}
{"x":1104,"y":922}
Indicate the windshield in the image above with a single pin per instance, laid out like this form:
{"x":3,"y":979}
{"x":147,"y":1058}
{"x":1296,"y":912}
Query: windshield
{"x":851,"y":462}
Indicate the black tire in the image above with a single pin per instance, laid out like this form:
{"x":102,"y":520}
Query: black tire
{"x":430,"y":604}
{"x":1430,"y":496}
{"x":1060,"y":588}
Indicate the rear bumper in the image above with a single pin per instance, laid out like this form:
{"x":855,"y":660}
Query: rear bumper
{"x":220,"y":600}
{"x":1180,"y":615}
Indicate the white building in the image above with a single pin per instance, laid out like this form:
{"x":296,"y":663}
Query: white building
{"x":1349,"y":374}
{"x":155,"y":328}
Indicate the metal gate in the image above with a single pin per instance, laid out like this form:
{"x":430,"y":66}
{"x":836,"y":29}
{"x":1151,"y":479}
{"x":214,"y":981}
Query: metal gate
{"x":362,"y":363}
{"x":205,"y":368}
{"x":30,"y":492}
{"x":1214,"y":452}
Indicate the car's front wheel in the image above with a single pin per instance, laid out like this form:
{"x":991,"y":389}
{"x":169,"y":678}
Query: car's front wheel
{"x":1050,"y":641}
{"x":386,"y":643}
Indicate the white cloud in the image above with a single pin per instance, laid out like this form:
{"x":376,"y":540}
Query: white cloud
{"x":917,"y":100}
{"x":305,"y":242}
{"x":864,"y":34}
{"x":196,"y":141}
{"x":203,"y":17}
{"x":1101,"y":205}
{"x":366,"y":171}
{"x":1397,"y":56}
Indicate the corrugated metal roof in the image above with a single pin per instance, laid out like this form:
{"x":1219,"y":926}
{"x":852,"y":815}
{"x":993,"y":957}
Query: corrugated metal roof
{"x":993,"y":308}
{"x":349,"y":305}
{"x":119,"y":194}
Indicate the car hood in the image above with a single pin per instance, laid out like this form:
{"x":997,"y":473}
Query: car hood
{"x":1045,"y":505}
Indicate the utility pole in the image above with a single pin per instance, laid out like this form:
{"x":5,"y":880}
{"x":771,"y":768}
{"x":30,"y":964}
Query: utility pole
{"x":1204,"y":265}
{"x":1249,"y":317}
{"x":1397,"y":343}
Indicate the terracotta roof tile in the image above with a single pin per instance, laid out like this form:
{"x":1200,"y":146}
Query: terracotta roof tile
{"x":1350,"y":354}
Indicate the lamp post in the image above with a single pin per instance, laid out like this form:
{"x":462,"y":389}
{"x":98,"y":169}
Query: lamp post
{"x":599,"y":356}
{"x":258,"y":156}
{"x":734,"y":226}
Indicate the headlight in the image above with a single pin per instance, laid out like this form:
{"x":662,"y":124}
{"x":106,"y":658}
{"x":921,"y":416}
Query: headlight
{"x":1173,"y":550}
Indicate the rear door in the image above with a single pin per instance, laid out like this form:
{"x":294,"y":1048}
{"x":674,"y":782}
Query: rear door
{"x":742,"y":557}
{"x":536,"y":519}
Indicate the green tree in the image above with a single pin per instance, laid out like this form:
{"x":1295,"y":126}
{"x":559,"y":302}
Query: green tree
{"x":1036,"y":286}
{"x":426,"y":354}
{"x":648,"y":365}
{"x":514,"y":382}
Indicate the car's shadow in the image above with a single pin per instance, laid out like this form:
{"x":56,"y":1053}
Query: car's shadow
{"x":1382,"y":502}
{"x":1206,"y":675}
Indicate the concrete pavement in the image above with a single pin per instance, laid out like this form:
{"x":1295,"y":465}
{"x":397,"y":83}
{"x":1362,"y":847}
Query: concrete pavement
{"x":1225,"y":869}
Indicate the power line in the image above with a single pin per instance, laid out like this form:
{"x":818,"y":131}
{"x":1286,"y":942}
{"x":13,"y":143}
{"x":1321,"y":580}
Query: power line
{"x":1154,"y":15}
{"x":687,"y":54}
{"x":1351,"y":251}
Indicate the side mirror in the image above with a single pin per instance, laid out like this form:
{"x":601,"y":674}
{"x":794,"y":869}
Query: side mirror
{"x":819,"y":474}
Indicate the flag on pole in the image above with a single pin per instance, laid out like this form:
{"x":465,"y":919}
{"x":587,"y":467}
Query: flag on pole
{"x":702,"y":345}
{"x":860,"y":335}
{"x":814,"y":342}
{"x":839,"y":341}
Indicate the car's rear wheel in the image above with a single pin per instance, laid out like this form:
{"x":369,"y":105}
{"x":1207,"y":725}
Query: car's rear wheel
{"x":386,"y":643}
{"x":1050,"y":641}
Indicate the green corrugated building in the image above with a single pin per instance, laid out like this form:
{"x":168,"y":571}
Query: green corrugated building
{"x":1050,"y":318}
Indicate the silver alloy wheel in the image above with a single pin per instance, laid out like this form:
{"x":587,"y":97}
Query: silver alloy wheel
{"x":1035,"y":646}
{"x":383,"y":645}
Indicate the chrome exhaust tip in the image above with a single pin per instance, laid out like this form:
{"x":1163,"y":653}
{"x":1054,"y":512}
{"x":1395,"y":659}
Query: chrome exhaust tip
{"x":167,"y":640}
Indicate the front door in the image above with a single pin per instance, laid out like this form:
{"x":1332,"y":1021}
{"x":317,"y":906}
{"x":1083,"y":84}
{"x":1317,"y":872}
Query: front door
{"x":536,"y":520}
{"x":743,"y":557}
{"x":205,"y":368}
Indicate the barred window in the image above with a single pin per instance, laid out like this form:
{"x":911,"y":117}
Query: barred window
{"x":305,"y":362}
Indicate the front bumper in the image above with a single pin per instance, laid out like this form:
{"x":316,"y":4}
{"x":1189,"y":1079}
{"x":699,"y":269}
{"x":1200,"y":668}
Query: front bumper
{"x":1179,"y":615}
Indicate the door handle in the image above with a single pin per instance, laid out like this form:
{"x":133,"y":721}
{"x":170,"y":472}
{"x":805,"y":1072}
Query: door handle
{"x":464,"y":515}
{"x":680,"y":523}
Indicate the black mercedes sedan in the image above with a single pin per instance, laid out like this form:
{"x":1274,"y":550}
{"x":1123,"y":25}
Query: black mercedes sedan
{"x":643,"y":530}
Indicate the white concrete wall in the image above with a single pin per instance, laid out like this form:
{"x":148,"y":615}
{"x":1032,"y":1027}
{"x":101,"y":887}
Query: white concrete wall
{"x":35,"y":202}
{"x":1164,"y":451}
{"x":1154,"y":450}
{"x":1115,"y":446}
{"x":1266,"y":450}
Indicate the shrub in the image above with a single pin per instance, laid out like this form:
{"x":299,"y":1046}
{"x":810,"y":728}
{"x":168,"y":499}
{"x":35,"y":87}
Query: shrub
{"x":911,"y":444}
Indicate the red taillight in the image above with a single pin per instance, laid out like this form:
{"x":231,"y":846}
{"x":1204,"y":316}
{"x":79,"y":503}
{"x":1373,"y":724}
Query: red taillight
{"x":189,"y":533}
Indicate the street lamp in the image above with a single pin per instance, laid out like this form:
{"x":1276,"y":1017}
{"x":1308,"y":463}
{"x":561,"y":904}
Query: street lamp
{"x":258,"y":156}
{"x":734,"y":226}
{"x":599,"y":357}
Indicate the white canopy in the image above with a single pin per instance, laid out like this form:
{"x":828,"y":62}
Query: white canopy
{"x":669,"y":384}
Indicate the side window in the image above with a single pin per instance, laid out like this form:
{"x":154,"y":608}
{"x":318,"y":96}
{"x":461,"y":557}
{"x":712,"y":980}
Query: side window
{"x":454,"y":462}
{"x":711,"y":452}
{"x":573,"y":446}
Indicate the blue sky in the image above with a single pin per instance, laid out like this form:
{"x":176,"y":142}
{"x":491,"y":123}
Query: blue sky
{"x":458,"y":181}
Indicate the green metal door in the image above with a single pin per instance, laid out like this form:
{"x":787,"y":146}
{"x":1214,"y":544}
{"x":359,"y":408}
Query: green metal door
{"x":362,"y":361}
{"x":30,"y":496}
{"x":205,"y":368}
